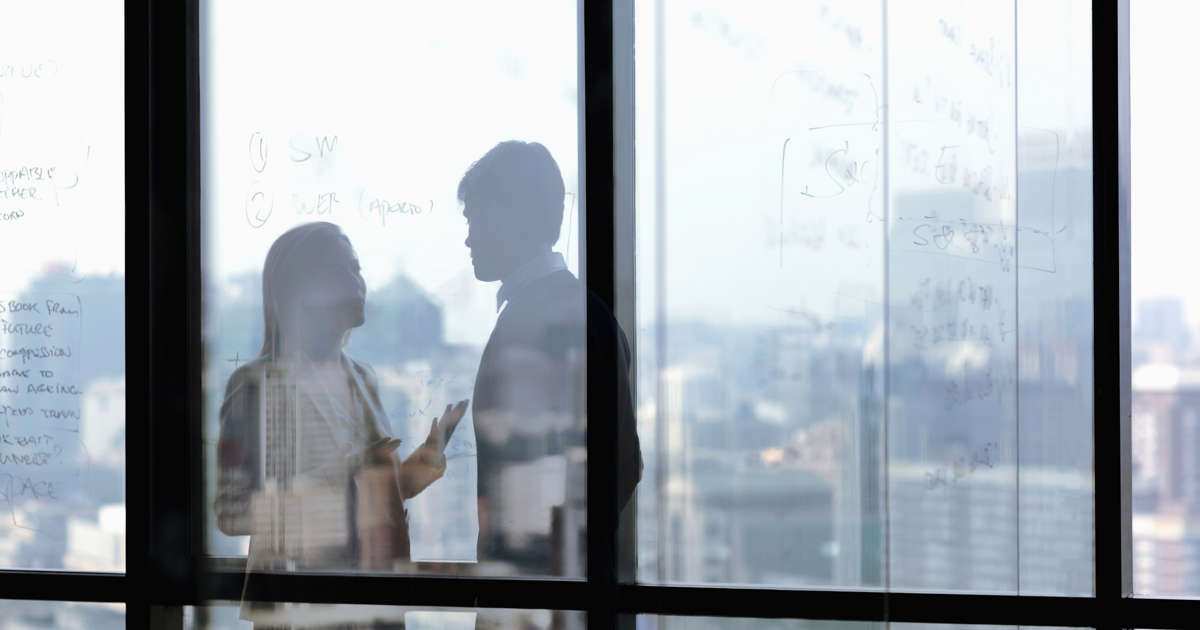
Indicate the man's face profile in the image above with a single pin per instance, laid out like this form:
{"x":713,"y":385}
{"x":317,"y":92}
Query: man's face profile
{"x":512,"y":199}
{"x":497,"y":247}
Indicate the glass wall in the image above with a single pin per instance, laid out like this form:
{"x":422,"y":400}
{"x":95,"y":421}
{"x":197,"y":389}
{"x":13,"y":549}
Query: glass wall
{"x":391,"y":236}
{"x":864,"y":294}
{"x":661,"y":622}
{"x":1165,"y":309}
{"x":855,"y":281}
{"x":62,"y":293}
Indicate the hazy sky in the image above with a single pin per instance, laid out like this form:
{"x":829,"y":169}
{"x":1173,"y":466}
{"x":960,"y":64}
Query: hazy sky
{"x":417,"y":92}
{"x":752,"y":237}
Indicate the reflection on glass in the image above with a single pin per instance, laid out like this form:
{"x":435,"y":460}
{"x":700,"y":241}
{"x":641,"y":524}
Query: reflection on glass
{"x":1165,"y":309}
{"x":305,"y":458}
{"x":530,"y":390}
{"x":62,"y":293}
{"x":219,"y":616}
{"x":864,"y":314}
{"x":24,"y":614}
{"x":377,"y":250}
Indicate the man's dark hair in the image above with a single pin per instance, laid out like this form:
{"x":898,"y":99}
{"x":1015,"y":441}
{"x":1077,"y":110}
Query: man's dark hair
{"x":523,"y":179}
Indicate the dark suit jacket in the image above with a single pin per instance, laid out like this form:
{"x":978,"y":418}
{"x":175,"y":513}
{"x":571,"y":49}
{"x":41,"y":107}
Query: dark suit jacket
{"x":530,"y":398}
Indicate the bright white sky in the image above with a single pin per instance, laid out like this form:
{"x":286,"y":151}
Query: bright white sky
{"x":414,"y":92}
{"x":1164,"y":136}
{"x":61,"y":106}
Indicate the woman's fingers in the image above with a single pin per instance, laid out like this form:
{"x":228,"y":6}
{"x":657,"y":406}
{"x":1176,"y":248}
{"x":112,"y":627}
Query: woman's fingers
{"x":443,"y":427}
{"x":451,"y":419}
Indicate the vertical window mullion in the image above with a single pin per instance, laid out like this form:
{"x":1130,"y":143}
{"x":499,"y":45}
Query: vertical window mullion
{"x":625,"y":247}
{"x":1110,"y":112}
{"x":137,"y":311}
{"x":598,"y":203}
{"x":163,"y":484}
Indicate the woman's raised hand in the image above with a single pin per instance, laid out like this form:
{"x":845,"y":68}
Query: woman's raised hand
{"x":443,"y":427}
{"x":428,"y":463}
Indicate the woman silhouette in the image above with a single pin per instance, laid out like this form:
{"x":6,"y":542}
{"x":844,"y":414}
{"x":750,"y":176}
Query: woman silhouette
{"x":306,"y":462}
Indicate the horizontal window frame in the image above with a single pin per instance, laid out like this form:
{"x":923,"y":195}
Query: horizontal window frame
{"x":575,"y":595}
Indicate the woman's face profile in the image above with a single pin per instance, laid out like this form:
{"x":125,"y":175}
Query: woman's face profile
{"x":334,"y":288}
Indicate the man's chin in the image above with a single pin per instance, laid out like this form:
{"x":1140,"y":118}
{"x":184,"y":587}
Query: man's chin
{"x":483,"y":275}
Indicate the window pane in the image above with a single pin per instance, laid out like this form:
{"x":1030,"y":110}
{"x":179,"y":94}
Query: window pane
{"x":1165,"y":310}
{"x":24,"y":614}
{"x":62,"y":293}
{"x":385,"y":121}
{"x":231,"y":616}
{"x":864,"y":315}
{"x":647,"y":622}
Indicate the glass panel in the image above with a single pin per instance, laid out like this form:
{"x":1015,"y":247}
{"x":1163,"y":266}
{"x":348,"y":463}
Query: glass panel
{"x":365,"y":220}
{"x":647,"y":622}
{"x":62,"y":293}
{"x":24,"y":614}
{"x":1054,"y":332}
{"x":226,"y":616}
{"x":864,"y":314}
{"x":1165,"y":310}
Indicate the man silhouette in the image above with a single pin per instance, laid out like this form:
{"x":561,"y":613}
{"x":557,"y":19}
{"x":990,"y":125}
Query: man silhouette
{"x":530,"y":392}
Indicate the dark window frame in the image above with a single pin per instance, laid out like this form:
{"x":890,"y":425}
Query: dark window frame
{"x":164,"y":491}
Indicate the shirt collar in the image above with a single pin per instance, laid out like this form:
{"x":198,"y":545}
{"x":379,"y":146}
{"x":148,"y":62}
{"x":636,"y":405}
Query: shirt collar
{"x":537,"y":267}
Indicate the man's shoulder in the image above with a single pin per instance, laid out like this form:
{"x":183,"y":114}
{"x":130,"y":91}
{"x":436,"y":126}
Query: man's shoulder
{"x":560,"y":285}
{"x":559,"y":308}
{"x":555,"y":297}
{"x":559,"y":298}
